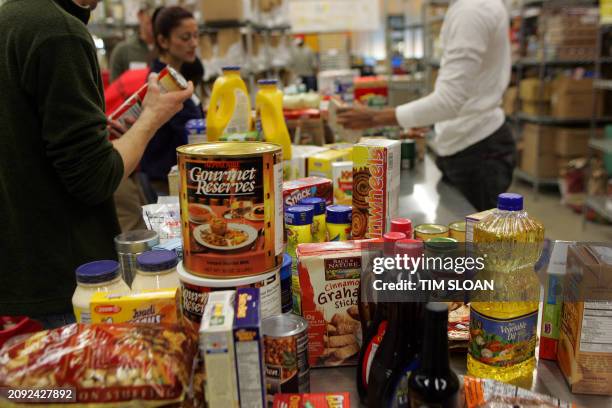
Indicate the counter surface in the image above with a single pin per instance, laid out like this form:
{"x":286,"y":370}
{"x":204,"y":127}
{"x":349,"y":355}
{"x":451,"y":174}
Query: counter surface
{"x":425,"y":198}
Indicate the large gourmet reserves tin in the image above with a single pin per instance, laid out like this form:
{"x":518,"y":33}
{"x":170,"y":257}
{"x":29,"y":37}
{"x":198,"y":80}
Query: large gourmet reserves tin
{"x":231,"y":208}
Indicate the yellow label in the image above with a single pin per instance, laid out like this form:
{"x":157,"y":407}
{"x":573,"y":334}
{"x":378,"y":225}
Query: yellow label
{"x":150,"y":306}
{"x":321,"y":164}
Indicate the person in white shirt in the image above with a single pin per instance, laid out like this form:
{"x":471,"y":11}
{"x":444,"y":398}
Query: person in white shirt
{"x":475,"y":148}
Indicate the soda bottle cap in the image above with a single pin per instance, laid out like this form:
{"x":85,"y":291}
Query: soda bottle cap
{"x":394,"y":236}
{"x":410,"y":247}
{"x":402,"y":225}
{"x":510,"y":202}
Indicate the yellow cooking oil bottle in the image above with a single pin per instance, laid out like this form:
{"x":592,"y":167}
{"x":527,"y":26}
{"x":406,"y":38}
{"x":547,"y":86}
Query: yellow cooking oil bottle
{"x":503,"y":322}
{"x":229,"y":111}
{"x":269,"y":105}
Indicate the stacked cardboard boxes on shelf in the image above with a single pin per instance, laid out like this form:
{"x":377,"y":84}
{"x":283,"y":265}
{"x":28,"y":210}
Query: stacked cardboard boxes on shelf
{"x":570,"y":33}
{"x":557,"y":146}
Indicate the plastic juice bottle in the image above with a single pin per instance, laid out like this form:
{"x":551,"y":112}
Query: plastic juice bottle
{"x":503,"y":323}
{"x":230,"y":108}
{"x":269,"y":105}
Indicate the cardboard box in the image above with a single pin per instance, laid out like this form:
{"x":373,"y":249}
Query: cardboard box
{"x":311,"y":131}
{"x":296,"y":167}
{"x":147,"y":307}
{"x":473,"y":219}
{"x":329,"y":275}
{"x":585,"y":341}
{"x":553,"y":300}
{"x":296,"y":190}
{"x":535,"y":108}
{"x":227,"y":10}
{"x":320,"y":164}
{"x":248,"y":345}
{"x":217,"y":348}
{"x":226,"y":38}
{"x":573,"y":98}
{"x":572,"y":142}
{"x":542,"y":166}
{"x":509,"y":101}
{"x":544,"y":136}
{"x":376,"y":181}
{"x":534,"y":90}
{"x":343,"y":182}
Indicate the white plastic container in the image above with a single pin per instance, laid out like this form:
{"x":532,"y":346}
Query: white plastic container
{"x":156,"y":270}
{"x":93,"y":277}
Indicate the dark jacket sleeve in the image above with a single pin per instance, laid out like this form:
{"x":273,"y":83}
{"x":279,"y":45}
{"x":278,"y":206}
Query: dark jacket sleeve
{"x":62,"y":77}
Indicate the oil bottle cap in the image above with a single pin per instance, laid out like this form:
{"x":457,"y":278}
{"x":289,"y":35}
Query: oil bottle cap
{"x":267,"y":82}
{"x":510,"y":202}
{"x":317,"y":202}
{"x":231,"y":68}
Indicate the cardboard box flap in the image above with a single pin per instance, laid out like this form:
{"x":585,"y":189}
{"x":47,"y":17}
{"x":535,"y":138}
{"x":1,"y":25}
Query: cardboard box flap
{"x":591,"y":265}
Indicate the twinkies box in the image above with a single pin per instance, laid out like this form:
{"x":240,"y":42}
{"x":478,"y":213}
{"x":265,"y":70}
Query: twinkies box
{"x":147,"y":307}
{"x":329,"y":275}
{"x":217,"y":349}
{"x":248,"y":347}
{"x":343,"y":182}
{"x":584,"y":353}
{"x":376,"y":185}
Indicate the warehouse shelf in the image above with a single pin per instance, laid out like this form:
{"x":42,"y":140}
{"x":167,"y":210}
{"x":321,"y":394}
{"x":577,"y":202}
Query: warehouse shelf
{"x":528,"y":62}
{"x":598,"y":204}
{"x":605,"y":84}
{"x":605,"y":145}
{"x":541,"y":181}
{"x":550,"y":120}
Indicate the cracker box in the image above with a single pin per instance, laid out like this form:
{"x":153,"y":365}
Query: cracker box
{"x":149,"y":306}
{"x":320,"y":164}
{"x":553,"y":300}
{"x":376,"y":185}
{"x":217,"y":348}
{"x":296,"y":190}
{"x":584,"y":353}
{"x":473,"y":219}
{"x":329,"y":275}
{"x":249,"y":348}
{"x":321,"y":400}
{"x":343,"y":182}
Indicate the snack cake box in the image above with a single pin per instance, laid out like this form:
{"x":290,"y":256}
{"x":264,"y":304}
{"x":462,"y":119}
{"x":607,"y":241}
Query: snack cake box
{"x":376,"y":185}
{"x":296,"y":190}
{"x":148,"y":306}
{"x":329,"y":275}
{"x":343,"y":182}
{"x":321,"y":400}
{"x":320,"y":164}
{"x":249,"y":348}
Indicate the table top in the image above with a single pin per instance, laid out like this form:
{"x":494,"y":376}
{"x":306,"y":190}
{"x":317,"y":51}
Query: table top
{"x":425,"y":198}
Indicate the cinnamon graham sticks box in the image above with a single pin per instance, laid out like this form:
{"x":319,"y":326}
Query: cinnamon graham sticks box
{"x":376,"y":186}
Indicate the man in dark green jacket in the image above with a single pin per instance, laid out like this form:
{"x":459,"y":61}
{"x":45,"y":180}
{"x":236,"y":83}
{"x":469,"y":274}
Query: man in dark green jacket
{"x":58,"y":171}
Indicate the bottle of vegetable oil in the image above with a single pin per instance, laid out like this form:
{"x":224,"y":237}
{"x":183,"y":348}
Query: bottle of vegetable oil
{"x":503,"y":323}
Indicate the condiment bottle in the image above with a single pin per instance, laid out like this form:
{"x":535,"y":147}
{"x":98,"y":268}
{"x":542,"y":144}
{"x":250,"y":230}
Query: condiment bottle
{"x":338,"y":221}
{"x":156,"y":270}
{"x":402,"y":225}
{"x":298,"y":223}
{"x":319,"y":227}
{"x":92,"y":277}
{"x":434,"y":384}
{"x":131,"y":244}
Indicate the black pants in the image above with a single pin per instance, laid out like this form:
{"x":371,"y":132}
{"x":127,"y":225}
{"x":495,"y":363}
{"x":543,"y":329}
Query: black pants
{"x":484,"y":170}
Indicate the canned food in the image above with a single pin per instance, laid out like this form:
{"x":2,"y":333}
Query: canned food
{"x":426,"y":232}
{"x":195,"y":291}
{"x":286,"y":355}
{"x":457,"y":230}
{"x":231,"y":208}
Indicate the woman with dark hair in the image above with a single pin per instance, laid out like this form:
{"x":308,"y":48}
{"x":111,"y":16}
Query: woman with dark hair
{"x":176,"y":39}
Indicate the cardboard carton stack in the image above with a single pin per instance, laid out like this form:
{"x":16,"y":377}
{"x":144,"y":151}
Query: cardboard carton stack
{"x":570,"y":33}
{"x":535,"y":96}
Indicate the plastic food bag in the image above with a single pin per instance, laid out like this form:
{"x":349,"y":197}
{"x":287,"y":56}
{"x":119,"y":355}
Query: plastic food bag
{"x":118,"y":365}
{"x":165,"y":219}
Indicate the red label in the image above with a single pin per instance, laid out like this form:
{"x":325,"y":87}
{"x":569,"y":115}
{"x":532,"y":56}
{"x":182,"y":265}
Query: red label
{"x":108,"y":309}
{"x":371,"y":352}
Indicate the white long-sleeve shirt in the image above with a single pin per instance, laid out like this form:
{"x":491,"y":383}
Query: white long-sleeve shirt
{"x":474,"y":73}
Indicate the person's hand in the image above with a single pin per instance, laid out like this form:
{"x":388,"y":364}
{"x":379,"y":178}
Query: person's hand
{"x":417,"y":133}
{"x":357,"y":117}
{"x":115,"y":128}
{"x":161,"y":107}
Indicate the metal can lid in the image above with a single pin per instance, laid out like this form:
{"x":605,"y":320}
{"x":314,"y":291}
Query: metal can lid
{"x":457,"y":226}
{"x":339,"y":214}
{"x":157,"y":260}
{"x":97,"y":271}
{"x":441,"y":243}
{"x":137,"y":241}
{"x":299,"y":215}
{"x":178,"y":78}
{"x":229,"y":149}
{"x":283,"y":325}
{"x":316,"y":202}
{"x":267,"y":82}
{"x":431,"y":229}
{"x":286,"y":266}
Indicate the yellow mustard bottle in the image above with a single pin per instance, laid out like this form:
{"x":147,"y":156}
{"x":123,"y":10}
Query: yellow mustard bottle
{"x":229,"y":110}
{"x":269,"y":105}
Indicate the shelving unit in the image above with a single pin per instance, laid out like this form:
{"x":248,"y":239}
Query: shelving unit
{"x":431,"y":62}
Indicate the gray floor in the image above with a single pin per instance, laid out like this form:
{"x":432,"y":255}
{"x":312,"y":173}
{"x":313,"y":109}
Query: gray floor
{"x":560,"y":222}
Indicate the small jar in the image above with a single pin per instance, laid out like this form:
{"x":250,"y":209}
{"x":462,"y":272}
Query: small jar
{"x":131,"y":244}
{"x":339,"y":222}
{"x":156,"y":270}
{"x":319,"y":229}
{"x":298,"y":222}
{"x":93,"y":277}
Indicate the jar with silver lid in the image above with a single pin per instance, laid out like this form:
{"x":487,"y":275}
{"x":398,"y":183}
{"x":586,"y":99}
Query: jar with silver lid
{"x":131,"y":244}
